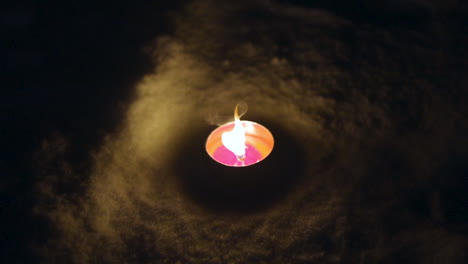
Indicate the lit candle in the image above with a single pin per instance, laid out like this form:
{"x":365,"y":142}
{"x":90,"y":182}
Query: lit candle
{"x":239,"y":143}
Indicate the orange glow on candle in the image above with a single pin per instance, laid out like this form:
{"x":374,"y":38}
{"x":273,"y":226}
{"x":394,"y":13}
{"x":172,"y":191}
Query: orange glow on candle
{"x":239,"y":143}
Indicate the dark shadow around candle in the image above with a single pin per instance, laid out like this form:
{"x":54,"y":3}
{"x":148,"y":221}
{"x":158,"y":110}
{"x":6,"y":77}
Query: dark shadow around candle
{"x":242,"y":189}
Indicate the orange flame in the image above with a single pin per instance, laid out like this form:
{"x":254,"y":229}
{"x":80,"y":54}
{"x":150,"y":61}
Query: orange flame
{"x":234,"y":140}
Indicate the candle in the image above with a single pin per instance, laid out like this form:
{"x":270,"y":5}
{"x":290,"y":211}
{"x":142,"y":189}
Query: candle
{"x":239,"y":143}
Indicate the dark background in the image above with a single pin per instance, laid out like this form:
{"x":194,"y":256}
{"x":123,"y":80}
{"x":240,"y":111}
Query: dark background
{"x":69,"y":68}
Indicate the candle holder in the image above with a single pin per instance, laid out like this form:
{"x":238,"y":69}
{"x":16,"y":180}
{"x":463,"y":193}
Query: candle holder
{"x":259,"y":143}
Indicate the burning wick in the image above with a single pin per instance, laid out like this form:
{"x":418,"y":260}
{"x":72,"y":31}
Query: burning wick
{"x":239,"y":143}
{"x":235,"y":140}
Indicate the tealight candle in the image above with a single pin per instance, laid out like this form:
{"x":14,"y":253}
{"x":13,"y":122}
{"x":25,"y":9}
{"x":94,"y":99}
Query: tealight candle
{"x":239,"y":143}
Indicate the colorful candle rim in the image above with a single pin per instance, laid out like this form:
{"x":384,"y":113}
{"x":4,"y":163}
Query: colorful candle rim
{"x":257,"y":137}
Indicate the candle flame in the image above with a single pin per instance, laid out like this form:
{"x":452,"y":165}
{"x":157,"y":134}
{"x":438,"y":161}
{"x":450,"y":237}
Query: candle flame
{"x":234,"y":140}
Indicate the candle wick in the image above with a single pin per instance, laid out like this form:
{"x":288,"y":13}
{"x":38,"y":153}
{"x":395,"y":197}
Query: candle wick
{"x":240,"y":160}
